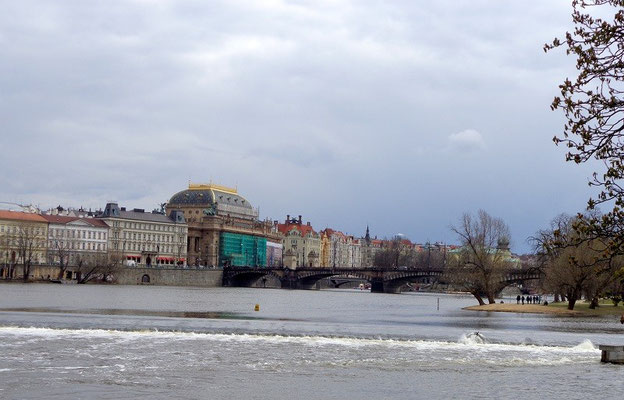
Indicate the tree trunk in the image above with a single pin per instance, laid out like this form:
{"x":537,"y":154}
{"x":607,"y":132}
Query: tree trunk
{"x":556,"y":299}
{"x":594,"y":303}
{"x":479,"y":298}
{"x":571,"y":302}
{"x":491,"y":299}
{"x":26,"y":271}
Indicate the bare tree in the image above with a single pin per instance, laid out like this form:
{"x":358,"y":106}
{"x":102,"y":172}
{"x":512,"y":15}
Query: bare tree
{"x":6,"y":251}
{"x":593,"y":105}
{"x":394,"y":254}
{"x":61,"y":251}
{"x":102,"y":266}
{"x":574,"y":265}
{"x":432,"y":257}
{"x":28,"y":244}
{"x":482,"y":263}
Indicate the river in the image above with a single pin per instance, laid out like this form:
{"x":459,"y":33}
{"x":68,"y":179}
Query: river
{"x":133,"y":342}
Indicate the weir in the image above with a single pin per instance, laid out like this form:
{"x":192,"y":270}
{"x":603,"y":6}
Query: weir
{"x":612,"y":354}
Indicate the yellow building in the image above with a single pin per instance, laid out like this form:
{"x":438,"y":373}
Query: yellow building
{"x":23,"y":237}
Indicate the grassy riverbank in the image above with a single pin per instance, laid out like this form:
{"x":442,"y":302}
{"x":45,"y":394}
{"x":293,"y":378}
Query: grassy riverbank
{"x":581,"y":308}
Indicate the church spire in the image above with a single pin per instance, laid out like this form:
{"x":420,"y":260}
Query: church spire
{"x":367,"y":237}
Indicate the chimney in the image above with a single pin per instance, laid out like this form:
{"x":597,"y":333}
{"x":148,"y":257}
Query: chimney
{"x":308,"y":223}
{"x":287,"y":218}
{"x":300,"y":220}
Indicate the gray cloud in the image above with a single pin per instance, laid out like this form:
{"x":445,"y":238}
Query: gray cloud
{"x":340,"y":111}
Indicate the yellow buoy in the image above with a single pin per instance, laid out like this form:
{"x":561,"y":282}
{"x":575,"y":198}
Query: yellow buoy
{"x":257,"y":307}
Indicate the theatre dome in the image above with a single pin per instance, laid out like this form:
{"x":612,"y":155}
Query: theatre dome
{"x":214,"y":200}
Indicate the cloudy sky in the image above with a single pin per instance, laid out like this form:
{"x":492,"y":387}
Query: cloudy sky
{"x":401,"y":115}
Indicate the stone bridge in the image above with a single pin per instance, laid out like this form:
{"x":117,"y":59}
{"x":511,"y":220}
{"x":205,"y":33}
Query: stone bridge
{"x":382,"y":280}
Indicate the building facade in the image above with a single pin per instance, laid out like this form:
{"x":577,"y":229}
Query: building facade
{"x":302,"y":244}
{"x":275,"y":253}
{"x":22,"y":236}
{"x":368,"y":248}
{"x":223,"y":227}
{"x":72,"y":238}
{"x":339,"y":250}
{"x":146,"y":238}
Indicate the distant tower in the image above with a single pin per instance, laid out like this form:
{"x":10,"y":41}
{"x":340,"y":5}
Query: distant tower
{"x":503,"y":244}
{"x":367,"y":237}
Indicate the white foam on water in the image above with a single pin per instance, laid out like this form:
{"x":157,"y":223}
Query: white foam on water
{"x":586,"y":345}
{"x":472,"y":338}
{"x":477,"y":344}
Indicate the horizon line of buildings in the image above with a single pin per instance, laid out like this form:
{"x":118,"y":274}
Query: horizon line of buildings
{"x":204,"y":225}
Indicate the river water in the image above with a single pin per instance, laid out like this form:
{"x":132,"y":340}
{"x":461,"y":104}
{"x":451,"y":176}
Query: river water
{"x":133,"y":342}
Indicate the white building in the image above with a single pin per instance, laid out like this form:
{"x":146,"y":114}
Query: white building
{"x":71,"y":238}
{"x":147,"y":239}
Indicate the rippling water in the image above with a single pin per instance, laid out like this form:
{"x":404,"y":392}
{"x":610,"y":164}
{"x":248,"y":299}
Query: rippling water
{"x":62,"y":341}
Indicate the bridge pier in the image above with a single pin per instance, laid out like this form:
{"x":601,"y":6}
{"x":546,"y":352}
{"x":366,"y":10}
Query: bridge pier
{"x":290,"y":284}
{"x":377,"y":285}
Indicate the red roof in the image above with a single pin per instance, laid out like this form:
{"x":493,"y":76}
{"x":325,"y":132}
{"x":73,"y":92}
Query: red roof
{"x":58,"y":219}
{"x":303,"y":229}
{"x":62,"y":219}
{"x":96,"y":222}
{"x":21,"y":216}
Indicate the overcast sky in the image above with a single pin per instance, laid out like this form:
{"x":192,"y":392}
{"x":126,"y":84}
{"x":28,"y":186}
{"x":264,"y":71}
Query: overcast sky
{"x":401,"y":116}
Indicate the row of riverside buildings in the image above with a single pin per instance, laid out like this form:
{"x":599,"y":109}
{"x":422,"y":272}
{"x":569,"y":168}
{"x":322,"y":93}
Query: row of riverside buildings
{"x":206,"y":225}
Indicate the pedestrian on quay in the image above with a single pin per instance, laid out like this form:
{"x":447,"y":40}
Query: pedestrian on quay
{"x":522,"y":300}
{"x":518,"y":299}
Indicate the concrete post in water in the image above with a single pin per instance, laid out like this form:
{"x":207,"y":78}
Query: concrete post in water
{"x":612,"y":354}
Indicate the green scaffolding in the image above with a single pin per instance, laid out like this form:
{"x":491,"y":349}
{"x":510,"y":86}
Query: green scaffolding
{"x":242,"y":250}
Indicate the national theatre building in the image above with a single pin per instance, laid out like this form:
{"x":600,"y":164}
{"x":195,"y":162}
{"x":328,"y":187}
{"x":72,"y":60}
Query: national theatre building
{"x":223,"y":227}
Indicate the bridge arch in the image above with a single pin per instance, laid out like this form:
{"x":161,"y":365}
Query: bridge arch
{"x":248,"y":278}
{"x":394,"y":281}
